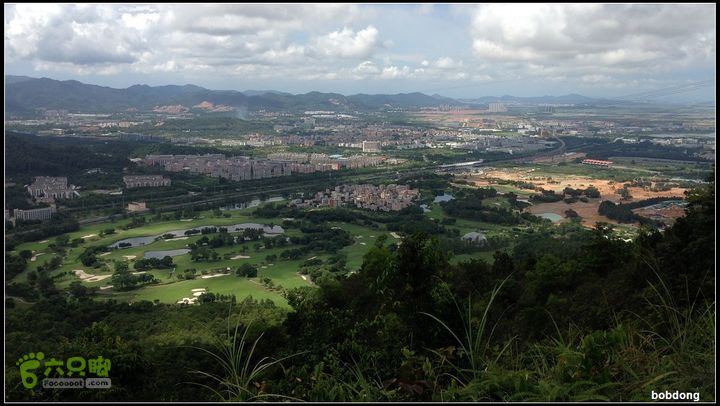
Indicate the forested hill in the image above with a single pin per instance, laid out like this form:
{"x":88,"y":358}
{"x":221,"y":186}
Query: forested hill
{"x":24,"y":95}
{"x":569,"y":315}
{"x":29,"y":155}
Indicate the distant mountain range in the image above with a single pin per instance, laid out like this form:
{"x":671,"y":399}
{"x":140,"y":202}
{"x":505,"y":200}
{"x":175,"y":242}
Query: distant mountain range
{"x":24,"y":95}
{"x":566,"y":99}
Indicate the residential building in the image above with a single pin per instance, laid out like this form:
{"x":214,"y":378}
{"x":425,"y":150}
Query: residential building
{"x":50,"y":188}
{"x":145,"y":181}
{"x":136,"y":207}
{"x":372,"y":146}
{"x":43,"y":214}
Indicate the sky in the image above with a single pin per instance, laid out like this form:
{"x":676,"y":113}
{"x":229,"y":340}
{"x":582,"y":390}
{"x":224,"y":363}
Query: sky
{"x":457,"y":50}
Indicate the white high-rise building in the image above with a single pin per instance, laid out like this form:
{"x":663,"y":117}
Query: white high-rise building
{"x":497,"y":108}
{"x":372,"y":146}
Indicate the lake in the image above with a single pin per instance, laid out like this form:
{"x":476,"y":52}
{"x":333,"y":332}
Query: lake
{"x":162,"y":254}
{"x":236,"y":228}
{"x":550,"y":216}
{"x":443,"y":198}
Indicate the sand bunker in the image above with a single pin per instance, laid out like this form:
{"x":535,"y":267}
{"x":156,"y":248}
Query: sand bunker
{"x":362,"y":243}
{"x":187,"y":300}
{"x":106,"y":287}
{"x":43,"y":241}
{"x":304,"y":277}
{"x":129,"y":257}
{"x":139,"y":273}
{"x":198,"y":290}
{"x":177,"y":238}
{"x":240,"y":257}
{"x":105,"y":253}
{"x":394,"y":234}
{"x":187,"y":219}
{"x":35,"y":256}
{"x":86,"y":277}
{"x":213,"y":276}
{"x":89,"y":235}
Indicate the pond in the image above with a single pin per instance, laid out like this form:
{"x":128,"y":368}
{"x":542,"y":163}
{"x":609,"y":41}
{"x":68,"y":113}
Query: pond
{"x":162,"y":254}
{"x":252,"y":203}
{"x":551,"y":216}
{"x":236,"y":228}
{"x":134,"y":242}
{"x":443,"y":198}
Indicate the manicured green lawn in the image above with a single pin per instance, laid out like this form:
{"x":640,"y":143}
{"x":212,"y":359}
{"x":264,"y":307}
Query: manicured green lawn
{"x":228,"y":284}
{"x":283,"y":273}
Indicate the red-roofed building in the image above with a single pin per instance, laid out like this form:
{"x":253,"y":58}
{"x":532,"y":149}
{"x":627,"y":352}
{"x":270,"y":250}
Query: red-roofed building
{"x":596,"y":162}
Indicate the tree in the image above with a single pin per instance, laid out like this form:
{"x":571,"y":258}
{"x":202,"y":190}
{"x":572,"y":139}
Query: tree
{"x":592,"y":192}
{"x":77,"y":290}
{"x":247,"y":270}
{"x":625,"y":193}
{"x":167,"y":261}
{"x":570,"y":213}
{"x":122,"y":279}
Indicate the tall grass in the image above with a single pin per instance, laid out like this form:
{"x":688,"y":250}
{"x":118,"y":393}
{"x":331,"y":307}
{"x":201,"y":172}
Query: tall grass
{"x":240,"y":380}
{"x":682,"y":339}
{"x":474,"y":341}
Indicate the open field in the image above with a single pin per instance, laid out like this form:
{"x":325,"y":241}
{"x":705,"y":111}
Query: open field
{"x":588,"y":211}
{"x":553,"y":177}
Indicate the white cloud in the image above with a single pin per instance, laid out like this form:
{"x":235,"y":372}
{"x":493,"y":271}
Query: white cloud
{"x":393,"y":72}
{"x":447,"y":63}
{"x":148,"y":38}
{"x":347,"y":43}
{"x":581,"y":37}
{"x":584,"y":44}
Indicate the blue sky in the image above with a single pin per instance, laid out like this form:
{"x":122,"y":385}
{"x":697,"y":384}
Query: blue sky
{"x":463,"y":50}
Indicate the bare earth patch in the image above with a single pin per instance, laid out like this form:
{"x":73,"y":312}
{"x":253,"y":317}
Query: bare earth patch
{"x":588,"y":211}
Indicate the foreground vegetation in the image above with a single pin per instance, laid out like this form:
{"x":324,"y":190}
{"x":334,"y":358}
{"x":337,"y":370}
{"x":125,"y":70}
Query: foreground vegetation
{"x":572,"y":316}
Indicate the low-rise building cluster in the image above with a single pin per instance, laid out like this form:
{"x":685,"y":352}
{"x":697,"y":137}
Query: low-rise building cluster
{"x":384,"y":197}
{"x":135,"y":181}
